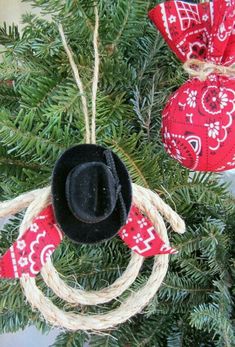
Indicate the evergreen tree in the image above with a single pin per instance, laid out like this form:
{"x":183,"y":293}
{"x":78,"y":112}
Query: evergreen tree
{"x":40,"y":116}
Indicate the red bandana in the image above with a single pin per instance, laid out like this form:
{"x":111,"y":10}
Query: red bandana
{"x":140,"y":235}
{"x":198,"y":121}
{"x":30,"y":252}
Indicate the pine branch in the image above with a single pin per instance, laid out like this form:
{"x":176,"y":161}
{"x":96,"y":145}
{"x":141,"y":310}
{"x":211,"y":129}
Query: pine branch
{"x":8,"y":35}
{"x":26,"y":144}
{"x":208,"y":318}
{"x":106,"y":340}
{"x":68,"y":339}
{"x":41,"y":117}
{"x":19,"y":163}
{"x":122,"y":25}
{"x":129,"y":149}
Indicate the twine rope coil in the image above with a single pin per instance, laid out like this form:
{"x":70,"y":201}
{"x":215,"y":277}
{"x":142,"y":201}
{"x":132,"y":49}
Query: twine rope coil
{"x":202,"y":69}
{"x":135,"y":302}
{"x":147,"y":201}
{"x":74,"y":296}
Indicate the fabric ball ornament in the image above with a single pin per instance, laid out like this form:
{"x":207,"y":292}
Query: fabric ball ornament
{"x":198,"y":121}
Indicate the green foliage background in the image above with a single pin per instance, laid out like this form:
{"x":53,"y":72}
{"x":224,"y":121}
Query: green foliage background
{"x":40,"y":116}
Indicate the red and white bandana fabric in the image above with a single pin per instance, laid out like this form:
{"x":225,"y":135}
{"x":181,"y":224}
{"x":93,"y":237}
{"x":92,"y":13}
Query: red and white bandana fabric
{"x":140,"y":235}
{"x":198,"y":122}
{"x":30,"y":252}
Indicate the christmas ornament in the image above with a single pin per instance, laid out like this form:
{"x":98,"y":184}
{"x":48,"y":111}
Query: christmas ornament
{"x":90,"y":185}
{"x":198,"y":120}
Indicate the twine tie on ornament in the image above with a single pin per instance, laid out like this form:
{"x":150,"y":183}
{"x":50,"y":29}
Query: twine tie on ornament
{"x":147,"y":201}
{"x":202,"y":69}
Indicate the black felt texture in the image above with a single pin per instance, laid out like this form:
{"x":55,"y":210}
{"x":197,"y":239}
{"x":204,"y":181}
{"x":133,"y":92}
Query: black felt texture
{"x":76,"y":214}
{"x":91,"y":192}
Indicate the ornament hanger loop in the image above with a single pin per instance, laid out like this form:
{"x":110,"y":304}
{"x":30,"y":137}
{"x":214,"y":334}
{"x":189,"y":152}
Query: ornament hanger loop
{"x":90,"y":134}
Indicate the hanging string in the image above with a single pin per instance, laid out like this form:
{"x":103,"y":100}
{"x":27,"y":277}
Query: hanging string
{"x":95,"y":77}
{"x":78,"y":82}
{"x":90,"y":132}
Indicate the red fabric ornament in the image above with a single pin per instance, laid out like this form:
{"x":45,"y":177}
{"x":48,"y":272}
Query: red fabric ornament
{"x":198,"y":121}
{"x":30,"y":252}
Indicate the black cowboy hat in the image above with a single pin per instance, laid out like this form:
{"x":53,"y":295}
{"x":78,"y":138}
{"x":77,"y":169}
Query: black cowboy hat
{"x":91,"y":193}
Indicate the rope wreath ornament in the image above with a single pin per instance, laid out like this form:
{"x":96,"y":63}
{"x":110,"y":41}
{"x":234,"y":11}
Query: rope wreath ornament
{"x":148,"y":202}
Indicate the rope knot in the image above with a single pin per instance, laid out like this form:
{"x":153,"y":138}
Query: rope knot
{"x":202,"y":69}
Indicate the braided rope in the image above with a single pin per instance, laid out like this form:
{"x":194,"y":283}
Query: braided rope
{"x":79,"y":83}
{"x":74,"y":296}
{"x":130,"y":307}
{"x":96,"y":76}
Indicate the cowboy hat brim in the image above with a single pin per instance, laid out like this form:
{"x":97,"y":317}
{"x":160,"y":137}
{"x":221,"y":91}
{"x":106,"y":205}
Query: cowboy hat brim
{"x":74,"y":228}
